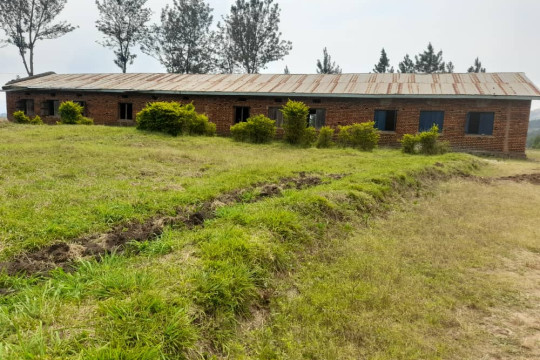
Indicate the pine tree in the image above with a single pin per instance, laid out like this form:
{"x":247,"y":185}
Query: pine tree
{"x":384,"y":64}
{"x":407,"y":66}
{"x":450,"y":67}
{"x":430,"y":62}
{"x":326,"y":66}
{"x":286,"y":71}
{"x":477,"y":67}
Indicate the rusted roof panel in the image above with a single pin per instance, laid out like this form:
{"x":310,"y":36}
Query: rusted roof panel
{"x":509,"y":85}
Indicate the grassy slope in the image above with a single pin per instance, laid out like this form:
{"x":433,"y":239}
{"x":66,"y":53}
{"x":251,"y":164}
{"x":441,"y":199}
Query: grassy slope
{"x":181,"y":295}
{"x":428,"y":282}
{"x":61,"y":182}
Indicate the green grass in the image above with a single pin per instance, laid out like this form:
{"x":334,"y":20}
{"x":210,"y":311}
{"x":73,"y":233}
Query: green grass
{"x":63,"y":182}
{"x":184,"y":294}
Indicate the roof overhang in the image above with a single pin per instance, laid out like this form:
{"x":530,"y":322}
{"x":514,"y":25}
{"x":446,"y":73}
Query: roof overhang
{"x":14,"y":88}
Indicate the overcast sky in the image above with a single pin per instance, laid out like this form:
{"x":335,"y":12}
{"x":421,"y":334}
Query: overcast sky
{"x":503,"y":33}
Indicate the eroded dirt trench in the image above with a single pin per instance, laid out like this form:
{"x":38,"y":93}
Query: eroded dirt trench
{"x":65,"y":254}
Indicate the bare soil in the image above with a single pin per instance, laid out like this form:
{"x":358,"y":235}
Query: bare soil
{"x":531,"y":178}
{"x":64,"y":255}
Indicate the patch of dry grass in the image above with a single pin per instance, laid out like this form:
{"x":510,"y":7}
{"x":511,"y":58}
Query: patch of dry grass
{"x":454,"y":276}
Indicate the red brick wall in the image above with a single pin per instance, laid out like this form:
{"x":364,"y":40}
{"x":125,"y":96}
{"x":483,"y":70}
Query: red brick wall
{"x":509,"y":132}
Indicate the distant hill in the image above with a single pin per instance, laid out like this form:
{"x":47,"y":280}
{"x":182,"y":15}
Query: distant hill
{"x":535,"y":114}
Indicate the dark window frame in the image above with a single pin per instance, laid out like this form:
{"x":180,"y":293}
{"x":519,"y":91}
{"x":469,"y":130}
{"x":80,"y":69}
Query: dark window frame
{"x":125,"y":111}
{"x":386,"y":122}
{"x":50,"y":108}
{"x":441,"y":125}
{"x":319,"y":118}
{"x":480,"y":123}
{"x":274,"y":113}
{"x":83,"y":104}
{"x":241,"y":114}
{"x":26,"y":106}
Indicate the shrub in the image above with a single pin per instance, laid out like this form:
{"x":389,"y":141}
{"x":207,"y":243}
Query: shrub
{"x":70,"y":112}
{"x":262,"y":129}
{"x":174,"y":119}
{"x":363,"y":136}
{"x":325,"y":137}
{"x":426,"y":142}
{"x":36,"y":120}
{"x":21,"y":118}
{"x":295,"y":114}
{"x":198,"y":124}
{"x":309,"y":137}
{"x":257,"y":129}
{"x":83,"y":120}
{"x":410,"y":144}
{"x":240,"y":132}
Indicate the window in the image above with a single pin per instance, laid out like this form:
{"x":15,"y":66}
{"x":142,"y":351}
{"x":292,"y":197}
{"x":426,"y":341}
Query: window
{"x":27,"y":106}
{"x":126,"y":111}
{"x":241,"y":114}
{"x":83,"y":104}
{"x":480,"y":123}
{"x":275,"y":113}
{"x":430,"y":118}
{"x":316,"y":118}
{"x":50,"y":108}
{"x":385,"y":120}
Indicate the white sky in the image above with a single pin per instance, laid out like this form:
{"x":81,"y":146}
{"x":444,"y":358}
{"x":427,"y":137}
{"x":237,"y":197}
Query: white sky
{"x":503,"y":33}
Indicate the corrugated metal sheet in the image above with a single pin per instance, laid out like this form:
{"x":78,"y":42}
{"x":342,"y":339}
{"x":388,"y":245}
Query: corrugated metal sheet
{"x":486,"y":85}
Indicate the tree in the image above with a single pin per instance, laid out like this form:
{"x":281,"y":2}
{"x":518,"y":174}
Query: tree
{"x":326,"y":66}
{"x":407,"y":65}
{"x":183,"y":43}
{"x":251,"y":36}
{"x":450,"y":67}
{"x":477,"y":67}
{"x":123,"y":23}
{"x":26,"y":22}
{"x":430,"y":62}
{"x":384,"y":64}
{"x":286,"y":71}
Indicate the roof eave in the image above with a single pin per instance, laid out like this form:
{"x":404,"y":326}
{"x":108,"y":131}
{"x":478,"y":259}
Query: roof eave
{"x":11,"y":88}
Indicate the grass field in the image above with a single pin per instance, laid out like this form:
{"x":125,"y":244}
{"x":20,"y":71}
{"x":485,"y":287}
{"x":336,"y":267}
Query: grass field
{"x":379,"y":262}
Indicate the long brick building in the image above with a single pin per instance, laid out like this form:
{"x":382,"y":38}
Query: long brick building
{"x":476,"y":112}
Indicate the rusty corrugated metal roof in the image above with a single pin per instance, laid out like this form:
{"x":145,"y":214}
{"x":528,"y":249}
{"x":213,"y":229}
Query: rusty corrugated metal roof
{"x":484,"y":85}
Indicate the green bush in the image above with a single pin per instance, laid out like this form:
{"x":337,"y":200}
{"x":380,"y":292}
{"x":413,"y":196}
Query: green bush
{"x":426,"y":143}
{"x":240,"y":132}
{"x":174,"y":119}
{"x":83,"y":120}
{"x":295,"y":114}
{"x":36,"y":120}
{"x":21,"y":118}
{"x":325,"y":137}
{"x":362,"y":136}
{"x":257,"y":129}
{"x":410,"y":144}
{"x":309,"y":138}
{"x":70,"y":112}
{"x":199,"y":124}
